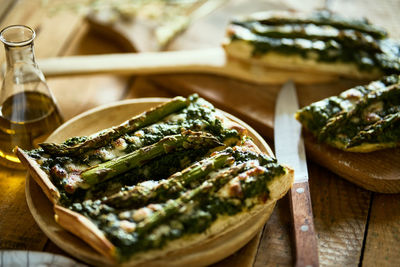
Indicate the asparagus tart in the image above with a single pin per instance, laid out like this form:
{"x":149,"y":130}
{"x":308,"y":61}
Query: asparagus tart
{"x":361,"y":119}
{"x":175,"y":180}
{"x":319,"y":42}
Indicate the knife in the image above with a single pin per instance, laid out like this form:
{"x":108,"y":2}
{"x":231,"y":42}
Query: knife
{"x":289,"y":149}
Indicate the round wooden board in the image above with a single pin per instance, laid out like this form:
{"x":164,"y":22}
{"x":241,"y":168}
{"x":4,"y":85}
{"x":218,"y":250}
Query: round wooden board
{"x":104,"y":117}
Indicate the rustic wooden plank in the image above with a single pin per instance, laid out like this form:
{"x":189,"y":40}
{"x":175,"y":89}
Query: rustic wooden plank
{"x":383,"y":238}
{"x":340,"y":210}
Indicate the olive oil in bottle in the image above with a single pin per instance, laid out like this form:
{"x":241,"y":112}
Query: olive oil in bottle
{"x":26,"y":119}
{"x":28,"y":111}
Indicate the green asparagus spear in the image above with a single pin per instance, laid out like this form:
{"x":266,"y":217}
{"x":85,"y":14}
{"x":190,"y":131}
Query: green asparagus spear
{"x":206,"y":189}
{"x":109,"y":169}
{"x":385,"y":132}
{"x":171,"y":187}
{"x":103,"y":137}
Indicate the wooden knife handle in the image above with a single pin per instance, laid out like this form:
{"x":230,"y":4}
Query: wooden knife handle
{"x":304,"y":234}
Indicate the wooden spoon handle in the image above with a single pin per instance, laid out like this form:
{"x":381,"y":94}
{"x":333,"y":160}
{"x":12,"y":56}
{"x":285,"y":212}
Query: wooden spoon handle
{"x":304,"y":233}
{"x":205,"y":60}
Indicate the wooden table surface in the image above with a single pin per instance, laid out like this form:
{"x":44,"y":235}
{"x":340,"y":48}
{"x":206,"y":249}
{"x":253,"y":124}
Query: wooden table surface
{"x":354,"y":226}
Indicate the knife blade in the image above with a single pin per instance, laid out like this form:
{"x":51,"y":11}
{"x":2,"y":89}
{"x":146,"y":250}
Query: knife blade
{"x":289,"y":149}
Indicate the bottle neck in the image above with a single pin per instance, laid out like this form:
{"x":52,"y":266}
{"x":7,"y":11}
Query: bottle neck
{"x":19,"y":54}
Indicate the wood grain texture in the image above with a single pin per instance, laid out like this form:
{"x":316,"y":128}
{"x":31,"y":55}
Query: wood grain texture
{"x":340,"y":214}
{"x":382,"y":241}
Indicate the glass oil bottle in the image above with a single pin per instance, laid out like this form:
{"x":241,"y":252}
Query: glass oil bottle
{"x":28,"y":111}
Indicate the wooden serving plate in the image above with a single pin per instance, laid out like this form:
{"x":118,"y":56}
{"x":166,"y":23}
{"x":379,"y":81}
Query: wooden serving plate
{"x":110,"y":115}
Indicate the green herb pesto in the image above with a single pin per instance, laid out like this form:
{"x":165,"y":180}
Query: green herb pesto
{"x":191,"y":212}
{"x":359,"y":116}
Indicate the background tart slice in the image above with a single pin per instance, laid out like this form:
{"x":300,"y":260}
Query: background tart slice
{"x":321,"y":42}
{"x":361,"y":119}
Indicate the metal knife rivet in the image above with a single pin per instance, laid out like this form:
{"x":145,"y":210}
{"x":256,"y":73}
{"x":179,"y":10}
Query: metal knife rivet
{"x":304,"y":228}
{"x":300,"y":190}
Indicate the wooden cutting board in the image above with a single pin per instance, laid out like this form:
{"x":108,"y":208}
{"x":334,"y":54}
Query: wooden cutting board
{"x":377,"y":171}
